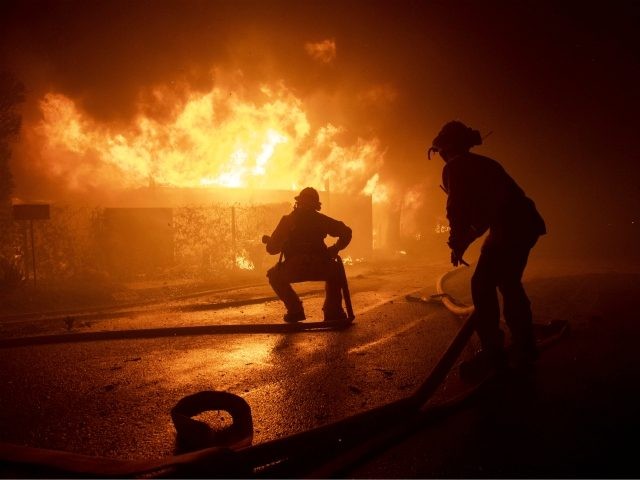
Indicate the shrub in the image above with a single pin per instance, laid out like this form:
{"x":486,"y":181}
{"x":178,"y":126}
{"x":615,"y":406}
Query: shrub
{"x":11,"y":273}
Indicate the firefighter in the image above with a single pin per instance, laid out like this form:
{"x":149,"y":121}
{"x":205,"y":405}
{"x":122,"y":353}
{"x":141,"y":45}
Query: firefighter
{"x":481,"y":197}
{"x":299,"y":237}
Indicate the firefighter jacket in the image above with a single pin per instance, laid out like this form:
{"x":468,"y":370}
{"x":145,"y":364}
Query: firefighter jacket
{"x":303,"y":232}
{"x":482,"y":196}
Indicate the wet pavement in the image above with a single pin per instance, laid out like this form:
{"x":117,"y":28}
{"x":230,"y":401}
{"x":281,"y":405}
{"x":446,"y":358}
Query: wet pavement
{"x":576,"y":417}
{"x":112,"y":398}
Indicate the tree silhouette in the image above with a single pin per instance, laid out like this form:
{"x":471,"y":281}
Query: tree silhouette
{"x":12,"y":94}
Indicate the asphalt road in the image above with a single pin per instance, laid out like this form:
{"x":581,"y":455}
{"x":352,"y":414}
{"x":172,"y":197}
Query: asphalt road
{"x":113,"y":398}
{"x":575,"y":417}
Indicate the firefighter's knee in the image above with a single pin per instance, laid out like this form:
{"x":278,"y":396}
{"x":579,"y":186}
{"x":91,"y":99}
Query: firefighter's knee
{"x":481,"y":285}
{"x":513,"y":292}
{"x":274,"y":274}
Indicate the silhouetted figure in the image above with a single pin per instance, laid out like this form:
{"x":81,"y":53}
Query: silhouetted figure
{"x":299,"y":237}
{"x":481,"y":197}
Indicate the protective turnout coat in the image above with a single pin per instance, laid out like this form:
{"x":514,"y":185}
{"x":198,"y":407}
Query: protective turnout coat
{"x":300,"y":237}
{"x":303,"y":231}
{"x":481,"y":196}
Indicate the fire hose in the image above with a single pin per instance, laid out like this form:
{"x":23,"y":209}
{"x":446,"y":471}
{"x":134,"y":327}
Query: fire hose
{"x":448,"y":301}
{"x":346,"y":294}
{"x":334,"y":446}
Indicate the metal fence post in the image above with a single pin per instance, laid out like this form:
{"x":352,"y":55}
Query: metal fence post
{"x":233,"y":237}
{"x":33,"y":256}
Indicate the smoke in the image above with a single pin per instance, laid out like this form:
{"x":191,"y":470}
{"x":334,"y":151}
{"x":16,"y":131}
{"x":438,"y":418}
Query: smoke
{"x":324,"y":51}
{"x":556,"y":83}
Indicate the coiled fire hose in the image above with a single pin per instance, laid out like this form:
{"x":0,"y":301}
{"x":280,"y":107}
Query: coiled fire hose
{"x":447,"y":301}
{"x":332,"y":446}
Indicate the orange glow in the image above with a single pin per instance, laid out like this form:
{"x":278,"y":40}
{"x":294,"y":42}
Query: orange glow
{"x":378,"y":191}
{"x":378,"y":94}
{"x":348,"y":260}
{"x":221,"y":137}
{"x":412,"y":201}
{"x":324,"y":51}
{"x":243,"y":263}
{"x":440,"y":228}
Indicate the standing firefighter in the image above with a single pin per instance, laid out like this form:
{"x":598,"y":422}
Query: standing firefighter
{"x":299,"y":237}
{"x":481,"y":197}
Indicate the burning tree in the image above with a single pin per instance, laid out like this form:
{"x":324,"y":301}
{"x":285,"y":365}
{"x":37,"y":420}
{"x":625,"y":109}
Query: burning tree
{"x":11,"y":95}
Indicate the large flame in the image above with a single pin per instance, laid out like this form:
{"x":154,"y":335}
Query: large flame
{"x":221,"y":137}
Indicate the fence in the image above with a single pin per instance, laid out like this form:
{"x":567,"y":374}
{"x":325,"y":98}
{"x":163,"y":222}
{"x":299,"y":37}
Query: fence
{"x":193,"y":241}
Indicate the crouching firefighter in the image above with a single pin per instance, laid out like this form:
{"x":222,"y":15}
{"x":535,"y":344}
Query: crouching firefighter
{"x":299,"y":238}
{"x":481,"y":197}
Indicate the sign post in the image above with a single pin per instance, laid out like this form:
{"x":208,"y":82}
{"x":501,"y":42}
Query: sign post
{"x":31,"y":212}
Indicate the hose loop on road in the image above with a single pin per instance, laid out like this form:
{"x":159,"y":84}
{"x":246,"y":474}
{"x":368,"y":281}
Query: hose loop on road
{"x":339,"y":444}
{"x":192,"y":434}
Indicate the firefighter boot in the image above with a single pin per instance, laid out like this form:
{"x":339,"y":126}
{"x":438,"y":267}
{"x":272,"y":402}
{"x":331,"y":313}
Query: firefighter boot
{"x":492,"y":358}
{"x":334,"y":315}
{"x":295,"y":313}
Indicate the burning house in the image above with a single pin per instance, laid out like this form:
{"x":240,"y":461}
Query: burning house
{"x":146,"y":229}
{"x":197,"y":177}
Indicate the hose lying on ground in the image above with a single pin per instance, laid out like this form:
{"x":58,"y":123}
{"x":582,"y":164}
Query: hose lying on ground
{"x":335,"y":446}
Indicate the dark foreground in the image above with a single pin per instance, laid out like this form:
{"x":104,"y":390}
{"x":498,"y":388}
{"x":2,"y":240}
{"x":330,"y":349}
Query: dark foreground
{"x":576,"y":416}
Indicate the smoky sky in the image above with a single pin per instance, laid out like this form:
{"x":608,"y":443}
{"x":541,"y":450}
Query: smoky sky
{"x":556,"y":82}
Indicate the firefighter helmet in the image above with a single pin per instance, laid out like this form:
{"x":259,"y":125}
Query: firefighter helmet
{"x":309,"y":196}
{"x":455,"y":135}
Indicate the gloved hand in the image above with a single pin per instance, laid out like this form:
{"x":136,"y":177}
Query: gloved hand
{"x":458,"y":247}
{"x":456,"y":259}
{"x":333,"y":251}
